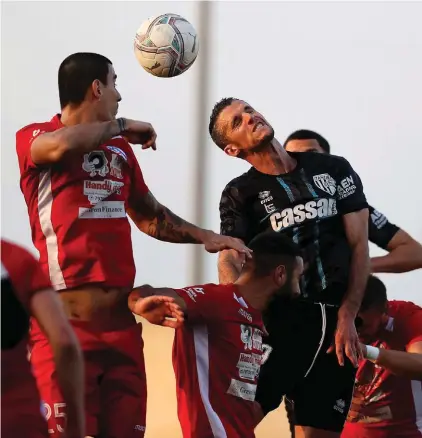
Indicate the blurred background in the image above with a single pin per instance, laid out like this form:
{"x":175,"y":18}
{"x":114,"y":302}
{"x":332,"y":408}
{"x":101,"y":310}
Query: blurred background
{"x":350,"y":71}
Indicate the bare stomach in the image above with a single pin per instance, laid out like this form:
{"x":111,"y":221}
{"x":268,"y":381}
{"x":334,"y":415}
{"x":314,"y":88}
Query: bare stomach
{"x":105,"y":308}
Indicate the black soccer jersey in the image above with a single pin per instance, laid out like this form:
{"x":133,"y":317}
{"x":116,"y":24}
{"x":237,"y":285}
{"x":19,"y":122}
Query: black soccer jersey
{"x":380,"y":230}
{"x":306,"y":204}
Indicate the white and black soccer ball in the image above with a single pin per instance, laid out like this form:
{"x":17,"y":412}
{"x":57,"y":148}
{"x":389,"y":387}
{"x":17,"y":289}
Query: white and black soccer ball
{"x":166,"y":45}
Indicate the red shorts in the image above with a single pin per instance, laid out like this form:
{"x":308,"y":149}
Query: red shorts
{"x":115,"y":381}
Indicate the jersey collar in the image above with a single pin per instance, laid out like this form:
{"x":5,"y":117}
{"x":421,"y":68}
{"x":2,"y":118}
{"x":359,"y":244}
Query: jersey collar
{"x":56,"y":121}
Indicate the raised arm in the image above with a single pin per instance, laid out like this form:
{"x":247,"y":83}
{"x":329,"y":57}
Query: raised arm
{"x":52,"y":147}
{"x":160,"y":222}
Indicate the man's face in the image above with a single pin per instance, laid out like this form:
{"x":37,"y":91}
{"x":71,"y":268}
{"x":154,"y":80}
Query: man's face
{"x":109,"y":97}
{"x":369,"y":323}
{"x":289,"y":281}
{"x":245,"y":129}
{"x":304,"y":146}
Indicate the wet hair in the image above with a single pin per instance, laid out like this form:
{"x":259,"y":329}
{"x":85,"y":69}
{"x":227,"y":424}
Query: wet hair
{"x":76,"y":74}
{"x":217,"y":136}
{"x":305,"y":134}
{"x":375,"y":295}
{"x":271,"y":249}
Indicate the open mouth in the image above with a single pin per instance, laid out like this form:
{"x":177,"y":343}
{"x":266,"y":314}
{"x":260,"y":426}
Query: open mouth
{"x":257,"y":126}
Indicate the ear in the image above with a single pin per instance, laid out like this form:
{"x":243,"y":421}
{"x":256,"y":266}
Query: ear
{"x":97,"y":88}
{"x":232,"y":150}
{"x":280,"y":276}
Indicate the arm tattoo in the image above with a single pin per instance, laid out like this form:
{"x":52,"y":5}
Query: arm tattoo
{"x":159,"y":222}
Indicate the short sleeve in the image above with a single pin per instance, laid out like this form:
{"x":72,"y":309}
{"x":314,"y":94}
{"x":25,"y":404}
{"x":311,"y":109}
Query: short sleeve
{"x":380,"y":230}
{"x":24,"y":140}
{"x":412,"y":324}
{"x":202,"y":303}
{"x":138,"y":185}
{"x":350,"y":195}
{"x":24,"y":272}
{"x":234,"y":220}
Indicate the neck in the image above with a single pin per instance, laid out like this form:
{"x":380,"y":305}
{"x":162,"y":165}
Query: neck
{"x":255,"y":293}
{"x":72,"y":115}
{"x":272,"y":159}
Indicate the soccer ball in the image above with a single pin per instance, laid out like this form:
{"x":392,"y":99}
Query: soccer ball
{"x":166,"y":45}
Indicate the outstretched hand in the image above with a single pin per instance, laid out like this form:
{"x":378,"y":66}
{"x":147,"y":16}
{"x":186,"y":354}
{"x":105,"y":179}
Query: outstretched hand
{"x":160,"y":310}
{"x":214,"y":242}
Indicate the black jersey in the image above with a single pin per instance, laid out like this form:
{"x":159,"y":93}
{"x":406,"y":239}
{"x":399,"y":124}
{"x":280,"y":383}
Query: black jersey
{"x":306,"y":204}
{"x":380,"y":230}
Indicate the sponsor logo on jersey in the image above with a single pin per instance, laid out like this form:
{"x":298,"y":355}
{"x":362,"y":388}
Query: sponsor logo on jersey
{"x":95,"y":163}
{"x":339,"y":406}
{"x":346,"y":187}
{"x":249,"y":365}
{"x":117,"y":151}
{"x":96,"y":191}
{"x":326,"y":183}
{"x":192,"y":292}
{"x":116,"y":166}
{"x":263,"y":195}
{"x":265,"y":200}
{"x":243,"y":390}
{"x":319,"y":209}
{"x":245,"y":314}
{"x":251,"y":337}
{"x":378,"y":219}
{"x":104,"y":210}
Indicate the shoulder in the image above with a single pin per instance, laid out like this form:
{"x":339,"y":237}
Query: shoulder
{"x":16,"y":260}
{"x":239,"y":186}
{"x":402,"y":310}
{"x":314,"y":159}
{"x":35,"y":129}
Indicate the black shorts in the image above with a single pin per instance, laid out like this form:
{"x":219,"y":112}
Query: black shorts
{"x":299,"y":368}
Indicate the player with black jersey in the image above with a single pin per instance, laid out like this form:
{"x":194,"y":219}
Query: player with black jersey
{"x":318,"y":200}
{"x":404,"y":252}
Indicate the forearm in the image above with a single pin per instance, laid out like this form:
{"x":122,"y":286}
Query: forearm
{"x":358,"y":277}
{"x":166,"y":226}
{"x":85,"y":137}
{"x":69,"y":366}
{"x":401,"y":363}
{"x":404,"y":258}
{"x":229,"y":267}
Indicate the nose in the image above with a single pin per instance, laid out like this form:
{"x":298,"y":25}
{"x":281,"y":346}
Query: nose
{"x":248,"y":118}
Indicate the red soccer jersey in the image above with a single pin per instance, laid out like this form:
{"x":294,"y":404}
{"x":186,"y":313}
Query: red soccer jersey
{"x":217,"y":356}
{"x":77,"y":210}
{"x":385,"y":405}
{"x":21,"y":278}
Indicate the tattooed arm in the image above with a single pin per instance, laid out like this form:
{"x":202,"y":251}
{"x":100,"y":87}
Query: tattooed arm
{"x":158,"y":221}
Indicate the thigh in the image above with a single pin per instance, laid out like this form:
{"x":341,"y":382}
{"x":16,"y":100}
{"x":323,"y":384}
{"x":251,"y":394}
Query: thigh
{"x":323,"y":398}
{"x":123,"y":388}
{"x":295,"y":336}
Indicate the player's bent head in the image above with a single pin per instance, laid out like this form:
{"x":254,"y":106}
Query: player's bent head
{"x":373,"y":310}
{"x":88,"y":77}
{"x":305,"y":140}
{"x":237,"y":128}
{"x":277,"y":258}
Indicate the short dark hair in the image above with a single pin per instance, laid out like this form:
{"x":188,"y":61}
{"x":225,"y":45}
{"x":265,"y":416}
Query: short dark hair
{"x":306,"y":134}
{"x":271,"y":249}
{"x":375,"y":294}
{"x":76,"y":74}
{"x":216,"y":135}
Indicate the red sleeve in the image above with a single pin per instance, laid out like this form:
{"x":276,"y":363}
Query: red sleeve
{"x":410,"y":316}
{"x":24,"y":139}
{"x":23,"y":270}
{"x":203,"y":303}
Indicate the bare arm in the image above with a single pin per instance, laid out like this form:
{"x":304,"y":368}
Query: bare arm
{"x":406,"y":364}
{"x":146,"y":291}
{"x":47,"y":309}
{"x":405,"y":254}
{"x":356,"y":227}
{"x":229,"y":266}
{"x":52,"y":147}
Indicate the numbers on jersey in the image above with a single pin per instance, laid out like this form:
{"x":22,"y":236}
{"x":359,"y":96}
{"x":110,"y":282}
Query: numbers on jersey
{"x":266,"y":351}
{"x":59,"y":412}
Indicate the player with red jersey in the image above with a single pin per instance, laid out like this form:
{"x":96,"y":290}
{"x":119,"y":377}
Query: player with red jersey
{"x":25,"y":290}
{"x":218,"y":351}
{"x":387,"y":401}
{"x":80,"y":179}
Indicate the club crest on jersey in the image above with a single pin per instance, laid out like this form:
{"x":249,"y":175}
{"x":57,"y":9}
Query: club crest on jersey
{"x":326,"y":183}
{"x":116,"y":166}
{"x":95,"y":163}
{"x":117,"y":151}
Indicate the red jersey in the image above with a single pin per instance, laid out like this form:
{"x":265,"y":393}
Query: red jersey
{"x":217,"y":356}
{"x":21,"y":278}
{"x":77,"y":210}
{"x":385,"y":405}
